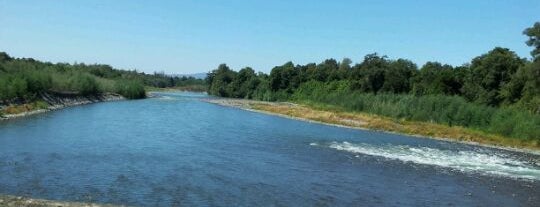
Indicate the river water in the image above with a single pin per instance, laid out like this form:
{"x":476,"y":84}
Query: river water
{"x":177,"y":150}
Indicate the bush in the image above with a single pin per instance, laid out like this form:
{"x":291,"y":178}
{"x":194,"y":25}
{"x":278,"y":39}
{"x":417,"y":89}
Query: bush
{"x":38,"y":81}
{"x":130,"y":89}
{"x":84,"y":84}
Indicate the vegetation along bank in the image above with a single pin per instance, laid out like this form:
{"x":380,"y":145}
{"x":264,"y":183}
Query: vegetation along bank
{"x":29,"y":86}
{"x":497,"y":93}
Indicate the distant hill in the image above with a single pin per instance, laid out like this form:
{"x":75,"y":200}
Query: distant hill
{"x":195,"y":75}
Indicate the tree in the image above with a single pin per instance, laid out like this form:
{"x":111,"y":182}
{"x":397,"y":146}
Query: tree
{"x":284,"y":77}
{"x":345,"y":64}
{"x":436,"y":78}
{"x":243,"y":83}
{"x":534,"y":39}
{"x":489,"y":73}
{"x":368,"y":76}
{"x":397,"y":78}
{"x":344,"y":68}
{"x":219,"y":80}
{"x":524,"y":88}
{"x":4,"y":57}
{"x":328,"y":70}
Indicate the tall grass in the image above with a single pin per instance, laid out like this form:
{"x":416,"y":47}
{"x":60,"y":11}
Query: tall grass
{"x":448,"y":110}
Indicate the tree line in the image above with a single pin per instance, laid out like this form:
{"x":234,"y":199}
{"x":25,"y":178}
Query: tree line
{"x":499,"y":83}
{"x":25,"y":78}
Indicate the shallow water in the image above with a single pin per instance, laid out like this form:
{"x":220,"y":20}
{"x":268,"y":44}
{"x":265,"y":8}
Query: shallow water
{"x":176,"y":150}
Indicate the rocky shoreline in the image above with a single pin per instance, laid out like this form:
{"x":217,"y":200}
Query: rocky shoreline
{"x":57,"y":101}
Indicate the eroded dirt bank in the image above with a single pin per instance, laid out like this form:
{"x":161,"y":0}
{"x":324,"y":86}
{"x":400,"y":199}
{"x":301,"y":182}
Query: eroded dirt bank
{"x":52,"y":101}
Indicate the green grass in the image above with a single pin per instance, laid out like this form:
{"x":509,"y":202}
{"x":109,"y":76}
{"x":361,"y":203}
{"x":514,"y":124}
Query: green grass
{"x":440,"y":109}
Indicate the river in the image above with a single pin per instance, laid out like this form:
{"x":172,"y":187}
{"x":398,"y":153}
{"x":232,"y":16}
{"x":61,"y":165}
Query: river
{"x":175,"y":149}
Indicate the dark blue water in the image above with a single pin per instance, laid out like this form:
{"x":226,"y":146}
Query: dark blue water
{"x":176,"y":150}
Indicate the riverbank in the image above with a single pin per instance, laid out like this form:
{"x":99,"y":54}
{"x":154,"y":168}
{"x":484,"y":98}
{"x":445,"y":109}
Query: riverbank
{"x":18,"y":201}
{"x":336,"y":117}
{"x":52,"y":101}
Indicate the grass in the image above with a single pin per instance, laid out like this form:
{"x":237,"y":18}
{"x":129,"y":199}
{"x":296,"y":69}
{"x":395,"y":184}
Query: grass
{"x":335,"y":115}
{"x":451,"y":111}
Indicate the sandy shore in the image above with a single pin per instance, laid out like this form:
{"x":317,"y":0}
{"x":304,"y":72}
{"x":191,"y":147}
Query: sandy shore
{"x":373,"y":122}
{"x":60,"y":102}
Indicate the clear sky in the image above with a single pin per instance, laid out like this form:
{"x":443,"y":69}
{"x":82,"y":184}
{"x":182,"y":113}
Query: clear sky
{"x":195,"y":36}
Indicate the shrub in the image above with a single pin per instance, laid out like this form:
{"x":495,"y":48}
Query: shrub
{"x":130,"y":89}
{"x":85,"y":84}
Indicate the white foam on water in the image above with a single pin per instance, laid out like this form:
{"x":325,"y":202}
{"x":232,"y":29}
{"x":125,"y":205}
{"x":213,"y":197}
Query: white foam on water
{"x":491,"y":163}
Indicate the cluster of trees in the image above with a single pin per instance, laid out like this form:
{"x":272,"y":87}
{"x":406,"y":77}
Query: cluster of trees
{"x":26,"y":78}
{"x":497,"y":78}
{"x":494,"y":80}
{"x":162,"y":80}
{"x":245,"y":83}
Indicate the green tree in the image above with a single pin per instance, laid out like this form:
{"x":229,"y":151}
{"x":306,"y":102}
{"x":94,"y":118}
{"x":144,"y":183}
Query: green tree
{"x":368,"y":76}
{"x":397,"y":77}
{"x":489,"y":73}
{"x":245,"y":83}
{"x":219,"y":79}
{"x":328,"y":70}
{"x":344,"y":68}
{"x":284,"y":77}
{"x":436,"y":78}
{"x":534,"y":39}
{"x":524,"y":88}
{"x":345,"y":64}
{"x":4,"y":57}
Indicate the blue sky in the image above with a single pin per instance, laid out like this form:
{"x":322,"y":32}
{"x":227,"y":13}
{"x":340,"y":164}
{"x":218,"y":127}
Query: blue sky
{"x":196,"y":36}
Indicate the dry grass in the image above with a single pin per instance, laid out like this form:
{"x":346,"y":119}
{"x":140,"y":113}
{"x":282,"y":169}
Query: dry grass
{"x":17,"y":109}
{"x":336,"y":116}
